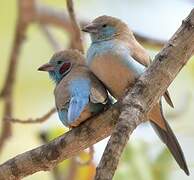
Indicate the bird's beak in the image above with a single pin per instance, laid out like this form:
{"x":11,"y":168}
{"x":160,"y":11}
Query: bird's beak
{"x":46,"y":67}
{"x":90,"y":28}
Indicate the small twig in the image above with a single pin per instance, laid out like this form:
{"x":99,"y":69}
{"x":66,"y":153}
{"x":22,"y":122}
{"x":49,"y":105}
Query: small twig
{"x":75,"y":27}
{"x":33,"y":121}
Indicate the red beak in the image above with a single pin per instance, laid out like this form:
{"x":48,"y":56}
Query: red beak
{"x":46,"y":67}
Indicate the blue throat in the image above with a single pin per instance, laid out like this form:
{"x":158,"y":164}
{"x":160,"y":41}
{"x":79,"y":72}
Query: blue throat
{"x":56,"y":76}
{"x":104,"y":34}
{"x":114,"y":48}
{"x":98,"y":48}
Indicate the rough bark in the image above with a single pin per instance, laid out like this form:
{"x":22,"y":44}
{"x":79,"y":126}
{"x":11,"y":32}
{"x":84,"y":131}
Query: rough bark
{"x":47,"y":156}
{"x":147,"y":90}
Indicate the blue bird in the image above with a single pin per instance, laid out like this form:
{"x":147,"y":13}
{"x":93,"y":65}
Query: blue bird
{"x":117,"y":59}
{"x":78,"y":93}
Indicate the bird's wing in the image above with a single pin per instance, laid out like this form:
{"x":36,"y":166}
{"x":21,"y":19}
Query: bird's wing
{"x":62,"y":95}
{"x":143,"y":58}
{"x":80,"y":91}
{"x":140,"y":54}
{"x":98,"y":93}
{"x":62,"y":98}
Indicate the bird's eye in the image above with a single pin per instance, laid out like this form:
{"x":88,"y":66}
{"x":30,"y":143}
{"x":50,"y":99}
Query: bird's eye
{"x":59,"y":62}
{"x":104,"y":25}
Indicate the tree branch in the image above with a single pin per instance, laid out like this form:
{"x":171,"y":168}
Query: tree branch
{"x":33,"y":121}
{"x":146,"y":92}
{"x":136,"y":104}
{"x":71,"y":143}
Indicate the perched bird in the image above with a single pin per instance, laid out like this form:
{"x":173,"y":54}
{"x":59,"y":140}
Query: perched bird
{"x":78,"y":93}
{"x":117,"y":59}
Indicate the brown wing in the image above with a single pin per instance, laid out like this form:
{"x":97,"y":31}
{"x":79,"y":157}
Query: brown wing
{"x":99,"y":93}
{"x":140,"y":55}
{"x":61,"y":93}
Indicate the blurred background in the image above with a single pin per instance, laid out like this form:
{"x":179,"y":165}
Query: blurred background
{"x":145,"y":157}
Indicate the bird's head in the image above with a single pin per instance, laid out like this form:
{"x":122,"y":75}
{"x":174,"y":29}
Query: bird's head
{"x":105,"y":28}
{"x":61,"y":64}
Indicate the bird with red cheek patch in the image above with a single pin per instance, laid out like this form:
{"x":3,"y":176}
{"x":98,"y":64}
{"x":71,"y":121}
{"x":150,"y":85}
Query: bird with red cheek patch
{"x":117,"y":59}
{"x":78,"y":93}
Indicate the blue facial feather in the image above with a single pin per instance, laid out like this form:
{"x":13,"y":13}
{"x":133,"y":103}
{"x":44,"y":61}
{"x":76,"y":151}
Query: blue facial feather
{"x":103,"y":34}
{"x":55,"y":76}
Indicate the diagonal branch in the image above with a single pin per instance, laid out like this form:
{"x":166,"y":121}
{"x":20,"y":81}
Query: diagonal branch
{"x":147,"y":90}
{"x":136,"y":104}
{"x":71,"y":143}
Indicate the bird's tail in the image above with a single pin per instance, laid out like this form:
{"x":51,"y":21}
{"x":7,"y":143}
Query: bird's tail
{"x":168,"y":137}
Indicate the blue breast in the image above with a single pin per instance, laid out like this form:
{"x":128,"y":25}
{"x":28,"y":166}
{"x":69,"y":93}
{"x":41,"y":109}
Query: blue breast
{"x":114,"y":48}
